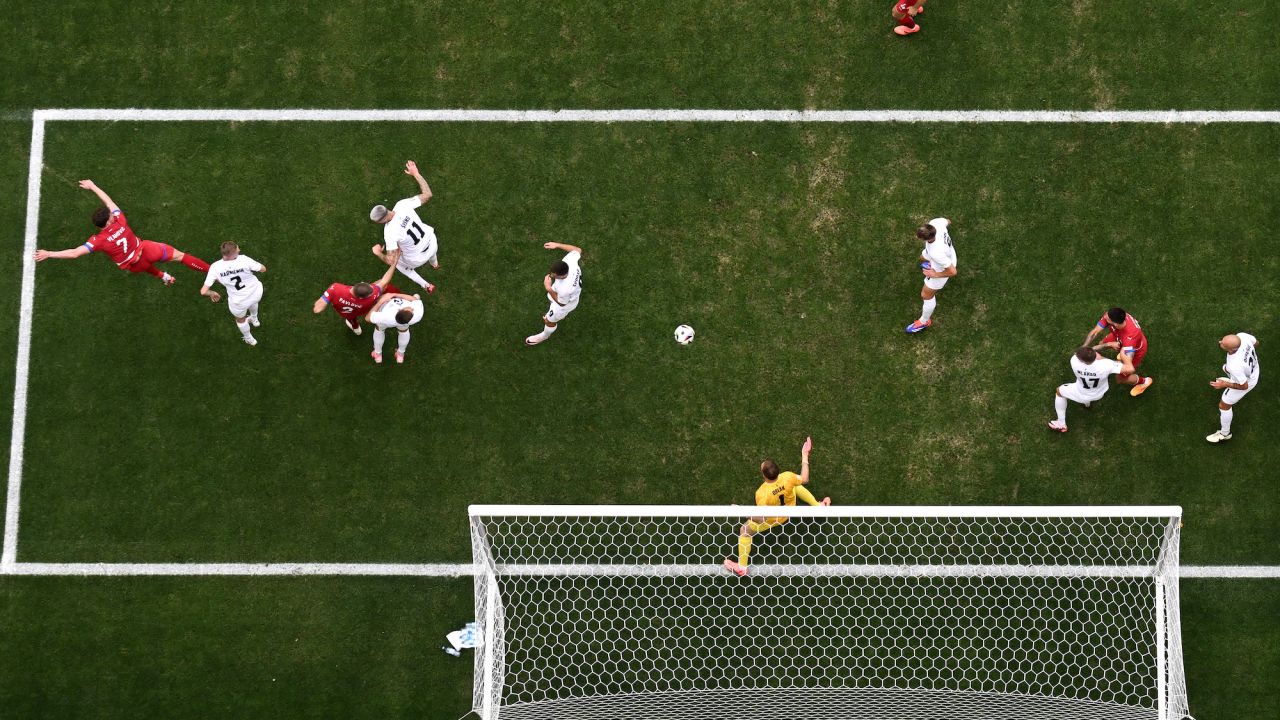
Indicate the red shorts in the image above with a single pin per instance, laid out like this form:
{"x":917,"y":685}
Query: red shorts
{"x":149,"y":254}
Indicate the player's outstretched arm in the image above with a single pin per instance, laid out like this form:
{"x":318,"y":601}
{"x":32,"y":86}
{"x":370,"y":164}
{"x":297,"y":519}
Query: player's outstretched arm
{"x":385,"y":280}
{"x":319,"y":305}
{"x":562,"y":246}
{"x":424,"y":190}
{"x":68,"y":254}
{"x":804,"y":460}
{"x":105,"y":198}
{"x":213,"y":296}
{"x":1126,"y":359}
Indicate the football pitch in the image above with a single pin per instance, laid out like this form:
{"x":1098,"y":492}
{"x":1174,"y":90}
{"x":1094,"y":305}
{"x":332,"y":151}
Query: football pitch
{"x":154,"y":441}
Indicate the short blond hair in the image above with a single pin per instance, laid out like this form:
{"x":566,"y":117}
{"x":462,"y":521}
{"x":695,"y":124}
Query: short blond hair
{"x":229,"y":248}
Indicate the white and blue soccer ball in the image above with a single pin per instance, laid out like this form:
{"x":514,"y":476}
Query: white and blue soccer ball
{"x":684,"y":334}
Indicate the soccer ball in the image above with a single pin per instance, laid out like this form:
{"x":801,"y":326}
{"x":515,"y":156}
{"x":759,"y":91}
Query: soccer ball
{"x":684,"y":334}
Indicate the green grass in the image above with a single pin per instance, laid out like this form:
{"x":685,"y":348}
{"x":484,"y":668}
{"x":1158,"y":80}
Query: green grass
{"x":788,"y":248}
{"x":154,"y":435}
{"x":563,"y":53}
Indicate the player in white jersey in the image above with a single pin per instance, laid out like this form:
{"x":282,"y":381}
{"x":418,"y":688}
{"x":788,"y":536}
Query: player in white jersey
{"x":244,"y":289}
{"x":394,"y":311}
{"x":409,"y":243}
{"x":1093,"y":373}
{"x":563,"y":285}
{"x":938,"y":263}
{"x":1242,"y":371}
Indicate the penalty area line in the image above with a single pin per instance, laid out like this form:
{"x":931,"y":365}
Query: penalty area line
{"x":22,"y":363}
{"x":445,"y":570}
{"x":1159,"y":117}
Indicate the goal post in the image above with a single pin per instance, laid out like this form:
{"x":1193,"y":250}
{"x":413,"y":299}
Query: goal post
{"x":1053,"y":613}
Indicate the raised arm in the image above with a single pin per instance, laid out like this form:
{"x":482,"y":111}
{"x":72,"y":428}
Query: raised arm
{"x":105,"y":198}
{"x":68,"y":254}
{"x":424,"y":190}
{"x":385,"y":280}
{"x":804,"y":460}
{"x":562,"y":246}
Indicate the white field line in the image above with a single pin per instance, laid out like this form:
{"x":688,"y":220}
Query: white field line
{"x":467,"y":570}
{"x":22,"y":363}
{"x":657,"y":115}
{"x":8,"y":559}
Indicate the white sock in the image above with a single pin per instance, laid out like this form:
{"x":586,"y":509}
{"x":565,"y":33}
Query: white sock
{"x":546,"y":331}
{"x":927,"y":312}
{"x":379,"y":337}
{"x":1060,"y":404}
{"x":413,"y":275}
{"x":245,"y":330}
{"x":253,"y":311}
{"x":404,"y":341}
{"x":1225,"y":422}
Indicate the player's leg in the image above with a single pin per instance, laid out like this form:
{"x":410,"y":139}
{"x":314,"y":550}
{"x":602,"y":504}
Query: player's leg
{"x":906,"y":24}
{"x":353,"y":324}
{"x":160,"y":252}
{"x":241,"y":315}
{"x":402,"y":345}
{"x":807,"y":497}
{"x":1139,"y":383}
{"x":253,"y":307}
{"x":1226,"y":413}
{"x":554,"y":315}
{"x":141,"y":265}
{"x":1060,"y":406}
{"x":739,"y":566}
{"x":929,"y":302}
{"x":411,"y":272}
{"x":379,"y":337}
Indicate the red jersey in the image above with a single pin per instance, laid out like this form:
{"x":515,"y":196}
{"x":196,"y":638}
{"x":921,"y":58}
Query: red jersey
{"x":1131,"y":338}
{"x":349,"y":306}
{"x":116,"y":240}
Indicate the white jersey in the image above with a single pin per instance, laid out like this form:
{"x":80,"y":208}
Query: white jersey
{"x":1093,"y":379}
{"x":407,"y":233}
{"x":385,"y":316}
{"x":237,"y":276}
{"x":568,"y":287}
{"x":1242,"y":365}
{"x":940,"y":253}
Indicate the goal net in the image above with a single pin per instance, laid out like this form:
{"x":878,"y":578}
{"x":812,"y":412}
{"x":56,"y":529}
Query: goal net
{"x":884,"y":613}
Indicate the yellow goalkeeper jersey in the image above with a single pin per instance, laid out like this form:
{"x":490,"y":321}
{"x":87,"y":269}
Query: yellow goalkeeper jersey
{"x":779,"y":492}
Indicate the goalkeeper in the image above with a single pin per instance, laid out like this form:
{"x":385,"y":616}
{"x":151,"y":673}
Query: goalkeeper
{"x":778,"y":488}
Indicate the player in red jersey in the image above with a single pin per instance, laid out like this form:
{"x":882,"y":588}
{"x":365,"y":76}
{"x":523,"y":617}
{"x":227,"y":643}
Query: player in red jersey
{"x":1124,"y":335}
{"x":353,"y":302}
{"x":125,"y":249}
{"x":905,"y":12}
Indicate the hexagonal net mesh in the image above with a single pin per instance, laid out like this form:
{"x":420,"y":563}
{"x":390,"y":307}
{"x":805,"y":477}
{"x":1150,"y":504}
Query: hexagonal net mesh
{"x":620,"y":612}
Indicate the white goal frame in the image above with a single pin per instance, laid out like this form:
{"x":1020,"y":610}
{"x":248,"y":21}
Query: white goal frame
{"x":494,"y":580}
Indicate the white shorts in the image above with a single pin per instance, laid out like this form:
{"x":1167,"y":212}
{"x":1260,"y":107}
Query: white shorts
{"x":935,"y":283}
{"x":558,"y":312}
{"x":240,"y":307}
{"x":1071,"y":391}
{"x":1231,"y":396}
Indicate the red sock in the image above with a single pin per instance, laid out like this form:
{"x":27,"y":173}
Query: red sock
{"x":353,"y":324}
{"x":908,"y":21}
{"x":195,"y":263}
